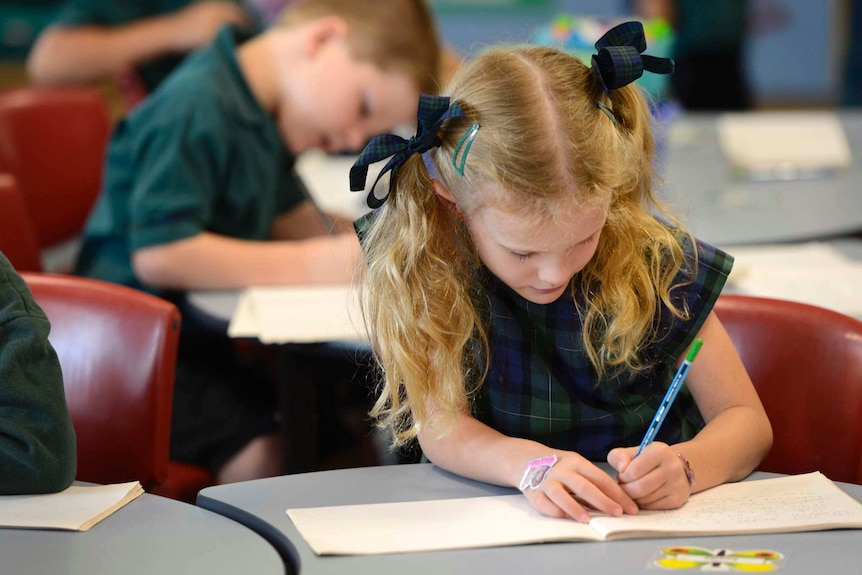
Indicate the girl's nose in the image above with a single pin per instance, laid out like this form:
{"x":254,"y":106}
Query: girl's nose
{"x":555,"y":272}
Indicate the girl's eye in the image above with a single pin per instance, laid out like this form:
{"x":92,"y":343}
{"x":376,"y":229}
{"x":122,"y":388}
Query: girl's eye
{"x":521,"y":256}
{"x":588,"y":240}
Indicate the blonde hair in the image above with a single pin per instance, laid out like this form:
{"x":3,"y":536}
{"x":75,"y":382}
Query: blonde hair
{"x":544,"y":143}
{"x":397,"y":36}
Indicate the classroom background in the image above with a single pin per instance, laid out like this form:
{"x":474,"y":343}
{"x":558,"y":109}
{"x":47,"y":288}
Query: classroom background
{"x":794,"y":56}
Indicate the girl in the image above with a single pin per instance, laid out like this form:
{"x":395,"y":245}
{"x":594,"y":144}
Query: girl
{"x":529,"y":297}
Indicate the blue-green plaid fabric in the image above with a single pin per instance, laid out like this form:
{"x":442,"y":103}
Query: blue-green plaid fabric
{"x":541,"y":385}
{"x":433,"y":111}
{"x":620,"y":60}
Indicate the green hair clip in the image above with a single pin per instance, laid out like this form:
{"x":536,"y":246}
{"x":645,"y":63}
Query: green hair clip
{"x":465,"y":143}
{"x":608,"y":112}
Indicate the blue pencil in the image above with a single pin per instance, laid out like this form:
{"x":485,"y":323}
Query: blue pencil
{"x":672,"y":391}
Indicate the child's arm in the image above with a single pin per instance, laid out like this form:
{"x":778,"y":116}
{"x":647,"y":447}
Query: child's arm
{"x":211,"y":261}
{"x":306,"y":221}
{"x":87,"y":53}
{"x":737,"y":435}
{"x":474,"y":450}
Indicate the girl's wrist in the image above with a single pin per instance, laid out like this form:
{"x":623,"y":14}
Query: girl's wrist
{"x":686,"y":468}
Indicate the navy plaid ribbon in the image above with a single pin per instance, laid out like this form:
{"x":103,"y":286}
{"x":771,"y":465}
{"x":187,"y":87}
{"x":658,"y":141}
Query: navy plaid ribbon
{"x":620,"y":60}
{"x":433,"y":110}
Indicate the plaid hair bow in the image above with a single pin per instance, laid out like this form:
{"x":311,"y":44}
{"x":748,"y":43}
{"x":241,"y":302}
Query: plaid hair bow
{"x":433,"y":110}
{"x":620,"y":61}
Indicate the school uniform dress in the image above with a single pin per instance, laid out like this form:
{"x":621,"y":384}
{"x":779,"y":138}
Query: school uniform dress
{"x":541,"y":385}
{"x":116,"y":12}
{"x":37,"y":441}
{"x":199,"y":155}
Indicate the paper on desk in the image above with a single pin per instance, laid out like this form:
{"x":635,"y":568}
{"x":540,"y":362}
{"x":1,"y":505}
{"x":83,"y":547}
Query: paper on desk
{"x":812,"y":273}
{"x":328,"y":179}
{"x":430,"y":526}
{"x":298,"y":315}
{"x":784,"y":145}
{"x":77,"y":508}
{"x":807,"y":502}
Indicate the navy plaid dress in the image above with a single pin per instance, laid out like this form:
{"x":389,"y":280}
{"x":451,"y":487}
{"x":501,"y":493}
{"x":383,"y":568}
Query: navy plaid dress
{"x":541,"y":385}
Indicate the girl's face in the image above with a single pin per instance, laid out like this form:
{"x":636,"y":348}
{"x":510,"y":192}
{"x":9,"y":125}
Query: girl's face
{"x":537,"y":257}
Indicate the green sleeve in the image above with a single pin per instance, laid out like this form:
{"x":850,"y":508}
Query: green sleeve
{"x":37,"y":441}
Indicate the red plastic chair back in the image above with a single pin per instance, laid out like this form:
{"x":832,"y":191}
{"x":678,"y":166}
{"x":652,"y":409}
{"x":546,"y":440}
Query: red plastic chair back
{"x":117,"y":348}
{"x":17,"y":235}
{"x":53,"y":140}
{"x":806,"y":363}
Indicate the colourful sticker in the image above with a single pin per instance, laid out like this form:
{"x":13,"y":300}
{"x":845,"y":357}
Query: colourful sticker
{"x":536,"y":472}
{"x":750,"y":561}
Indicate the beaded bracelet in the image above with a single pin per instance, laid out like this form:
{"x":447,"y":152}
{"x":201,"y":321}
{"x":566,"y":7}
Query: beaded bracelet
{"x":686,"y":466}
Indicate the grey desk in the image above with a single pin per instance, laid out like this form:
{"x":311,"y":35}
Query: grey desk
{"x":149,"y":535}
{"x":722,"y":211}
{"x":261,"y":505}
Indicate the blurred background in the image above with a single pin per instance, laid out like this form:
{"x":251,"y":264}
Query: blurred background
{"x":794,"y":49}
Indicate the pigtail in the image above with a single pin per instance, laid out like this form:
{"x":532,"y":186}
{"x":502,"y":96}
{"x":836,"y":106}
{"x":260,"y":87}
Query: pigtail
{"x":640,"y":257}
{"x":417,"y":306}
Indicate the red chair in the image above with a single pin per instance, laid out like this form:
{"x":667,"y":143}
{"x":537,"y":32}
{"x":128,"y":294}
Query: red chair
{"x":118,"y":349}
{"x":53,"y":141}
{"x":17,"y":236}
{"x":806,"y":363}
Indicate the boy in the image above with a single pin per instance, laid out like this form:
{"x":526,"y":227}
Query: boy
{"x":202,"y":173}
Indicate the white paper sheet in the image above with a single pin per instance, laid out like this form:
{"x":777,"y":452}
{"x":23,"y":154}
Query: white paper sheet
{"x":812,"y":273}
{"x":298,"y":315}
{"x":77,"y":508}
{"x":784,"y":145}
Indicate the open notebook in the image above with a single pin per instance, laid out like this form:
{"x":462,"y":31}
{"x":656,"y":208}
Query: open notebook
{"x":808,"y":502}
{"x":77,"y":508}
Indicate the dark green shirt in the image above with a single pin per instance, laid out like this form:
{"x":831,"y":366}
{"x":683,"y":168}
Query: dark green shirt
{"x":199,"y":154}
{"x":37,"y":441}
{"x":117,"y":12}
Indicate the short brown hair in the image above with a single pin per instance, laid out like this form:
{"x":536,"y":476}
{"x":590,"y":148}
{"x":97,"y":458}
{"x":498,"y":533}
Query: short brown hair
{"x":394,"y":35}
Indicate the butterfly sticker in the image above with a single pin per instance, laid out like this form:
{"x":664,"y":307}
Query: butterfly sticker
{"x":719,"y":560}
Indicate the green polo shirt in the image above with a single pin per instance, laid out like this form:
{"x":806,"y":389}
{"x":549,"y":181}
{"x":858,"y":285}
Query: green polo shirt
{"x":37,"y":441}
{"x":199,"y":154}
{"x":113,"y":13}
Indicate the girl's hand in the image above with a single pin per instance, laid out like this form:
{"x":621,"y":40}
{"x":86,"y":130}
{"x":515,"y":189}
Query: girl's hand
{"x":655,"y":479}
{"x":573,"y":485}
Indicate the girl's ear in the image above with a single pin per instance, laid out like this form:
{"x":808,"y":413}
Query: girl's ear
{"x":442,"y":190}
{"x":446,"y":197}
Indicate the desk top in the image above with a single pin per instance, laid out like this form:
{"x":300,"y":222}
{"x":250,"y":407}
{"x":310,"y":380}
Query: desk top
{"x":151,"y":534}
{"x":701,"y":189}
{"x":262,"y":505}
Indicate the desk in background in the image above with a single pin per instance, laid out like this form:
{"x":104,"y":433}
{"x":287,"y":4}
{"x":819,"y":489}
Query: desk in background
{"x":722,"y":210}
{"x":261,"y":505}
{"x":149,"y":535}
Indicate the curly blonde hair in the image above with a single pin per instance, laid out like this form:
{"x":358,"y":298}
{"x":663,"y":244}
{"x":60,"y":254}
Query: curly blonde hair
{"x":544,"y":143}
